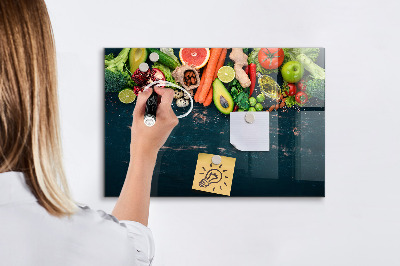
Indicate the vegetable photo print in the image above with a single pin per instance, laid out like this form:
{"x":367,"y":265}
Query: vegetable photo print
{"x":286,"y":83}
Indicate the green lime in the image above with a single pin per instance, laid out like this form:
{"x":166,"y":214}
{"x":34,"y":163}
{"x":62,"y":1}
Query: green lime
{"x":260,"y":98}
{"x":252,"y":109}
{"x":127,"y":96}
{"x":226,"y":74}
{"x":258,"y":107}
{"x":252,"y":101}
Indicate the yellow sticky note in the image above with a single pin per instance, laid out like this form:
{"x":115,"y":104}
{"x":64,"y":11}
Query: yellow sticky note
{"x":214,"y":178}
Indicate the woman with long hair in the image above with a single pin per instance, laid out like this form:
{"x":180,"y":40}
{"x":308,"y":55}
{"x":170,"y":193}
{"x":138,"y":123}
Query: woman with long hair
{"x":40,"y":224}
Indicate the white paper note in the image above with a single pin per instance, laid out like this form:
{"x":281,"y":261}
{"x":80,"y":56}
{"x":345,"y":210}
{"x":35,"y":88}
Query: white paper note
{"x":246,"y":136}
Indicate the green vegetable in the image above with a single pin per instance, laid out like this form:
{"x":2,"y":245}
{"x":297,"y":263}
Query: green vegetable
{"x":109,"y":57}
{"x":115,"y":81}
{"x":222,"y":98}
{"x":252,"y":109}
{"x":234,"y":91}
{"x":292,"y":53}
{"x":240,"y":110}
{"x":315,"y":70}
{"x":116,"y":75}
{"x":243,"y":100}
{"x":136,"y":57}
{"x":260,"y":98}
{"x":258,"y":107}
{"x":316,"y":88}
{"x":239,"y":94}
{"x":170,"y":52}
{"x":166,"y":70}
{"x":252,"y":101}
{"x":118,"y":62}
{"x":291,"y":101}
{"x":164,"y":59}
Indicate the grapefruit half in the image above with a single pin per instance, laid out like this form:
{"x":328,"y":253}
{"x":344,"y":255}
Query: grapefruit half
{"x":195,"y":57}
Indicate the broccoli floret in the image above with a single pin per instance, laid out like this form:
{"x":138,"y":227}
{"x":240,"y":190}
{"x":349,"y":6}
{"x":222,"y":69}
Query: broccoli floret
{"x":115,"y":81}
{"x":109,"y":57}
{"x":118,"y":62}
{"x":116,"y":76}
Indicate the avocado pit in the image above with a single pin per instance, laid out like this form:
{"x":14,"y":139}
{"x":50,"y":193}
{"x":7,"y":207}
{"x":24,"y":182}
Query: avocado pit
{"x":224,"y":103}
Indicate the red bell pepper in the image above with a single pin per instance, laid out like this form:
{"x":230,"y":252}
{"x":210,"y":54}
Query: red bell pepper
{"x":252,"y":76}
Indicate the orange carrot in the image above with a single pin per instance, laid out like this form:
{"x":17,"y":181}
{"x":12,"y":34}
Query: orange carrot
{"x":209,"y":98}
{"x":196,"y":96}
{"x":221,"y":61}
{"x":209,"y":73}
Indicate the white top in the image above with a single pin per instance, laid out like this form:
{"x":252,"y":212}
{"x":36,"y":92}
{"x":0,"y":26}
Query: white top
{"x":31,"y":236}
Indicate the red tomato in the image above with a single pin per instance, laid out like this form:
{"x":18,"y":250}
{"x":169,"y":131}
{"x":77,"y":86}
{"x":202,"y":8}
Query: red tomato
{"x":301,"y":85}
{"x":301,"y":97}
{"x":270,"y":58}
{"x":292,"y":89}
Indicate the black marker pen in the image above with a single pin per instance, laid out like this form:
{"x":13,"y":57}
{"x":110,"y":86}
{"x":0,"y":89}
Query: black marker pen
{"x":151,"y":109}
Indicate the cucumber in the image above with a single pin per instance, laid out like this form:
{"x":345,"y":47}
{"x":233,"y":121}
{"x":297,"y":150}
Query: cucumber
{"x":164,"y":59}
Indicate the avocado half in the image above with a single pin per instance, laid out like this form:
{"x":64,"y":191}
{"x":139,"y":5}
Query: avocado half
{"x":222,"y":98}
{"x":136,"y":57}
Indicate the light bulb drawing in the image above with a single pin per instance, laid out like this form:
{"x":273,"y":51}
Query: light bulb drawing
{"x":213,"y":176}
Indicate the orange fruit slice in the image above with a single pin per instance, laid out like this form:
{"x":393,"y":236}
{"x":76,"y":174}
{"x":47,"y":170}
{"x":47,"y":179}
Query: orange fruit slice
{"x":195,"y":57}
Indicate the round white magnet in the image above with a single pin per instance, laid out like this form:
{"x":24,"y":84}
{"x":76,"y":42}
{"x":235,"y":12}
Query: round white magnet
{"x":249,"y":118}
{"x":154,"y":57}
{"x":143,"y":67}
{"x":216,"y":159}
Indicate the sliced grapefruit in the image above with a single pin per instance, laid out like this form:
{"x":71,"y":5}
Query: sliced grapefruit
{"x":195,"y":57}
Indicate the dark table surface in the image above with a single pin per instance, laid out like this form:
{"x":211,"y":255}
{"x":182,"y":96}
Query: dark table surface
{"x":294,"y":166}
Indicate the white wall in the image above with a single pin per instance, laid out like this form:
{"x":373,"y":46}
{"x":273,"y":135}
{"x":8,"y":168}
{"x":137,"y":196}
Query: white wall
{"x":358,"y":221}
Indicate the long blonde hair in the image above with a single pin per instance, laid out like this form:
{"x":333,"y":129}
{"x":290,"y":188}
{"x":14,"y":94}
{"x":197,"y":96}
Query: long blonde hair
{"x":29,"y":119}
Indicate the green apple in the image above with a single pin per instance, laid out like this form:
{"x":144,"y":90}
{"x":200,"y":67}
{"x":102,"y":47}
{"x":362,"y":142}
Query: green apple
{"x":292,"y":71}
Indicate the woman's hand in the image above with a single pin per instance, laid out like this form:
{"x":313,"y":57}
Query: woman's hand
{"x":148,"y":140}
{"x":134,"y":200}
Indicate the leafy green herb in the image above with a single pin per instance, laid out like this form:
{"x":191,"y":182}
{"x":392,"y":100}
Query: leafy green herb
{"x":239,"y":94}
{"x":291,"y":101}
{"x":166,"y":70}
